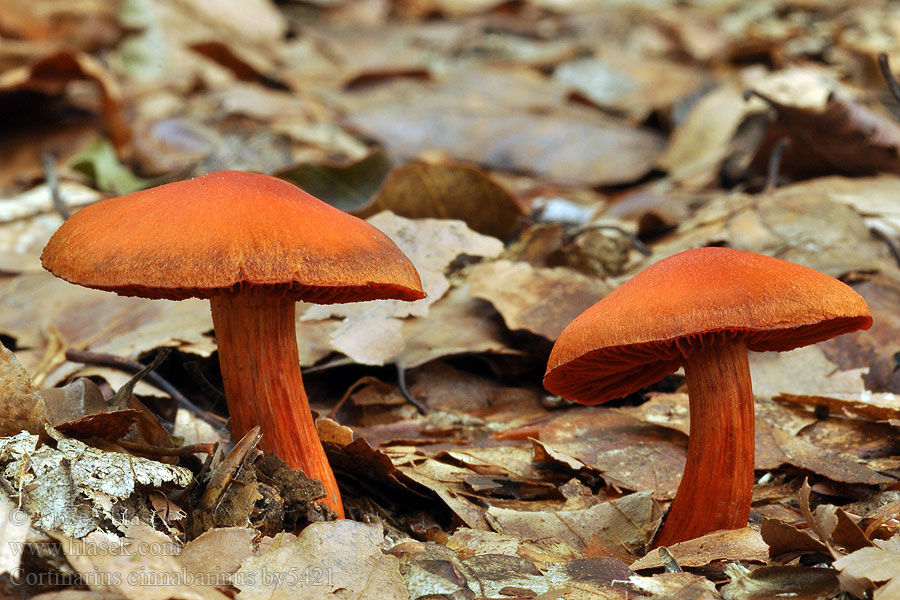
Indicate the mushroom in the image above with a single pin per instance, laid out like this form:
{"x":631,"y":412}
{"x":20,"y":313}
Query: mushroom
{"x":253,"y":245}
{"x":703,"y":309}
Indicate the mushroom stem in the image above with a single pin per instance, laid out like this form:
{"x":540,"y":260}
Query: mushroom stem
{"x":717,"y":486}
{"x":256,"y":338}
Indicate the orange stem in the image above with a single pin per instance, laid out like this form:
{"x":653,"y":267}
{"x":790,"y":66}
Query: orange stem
{"x":717,"y":486}
{"x":256,"y":337}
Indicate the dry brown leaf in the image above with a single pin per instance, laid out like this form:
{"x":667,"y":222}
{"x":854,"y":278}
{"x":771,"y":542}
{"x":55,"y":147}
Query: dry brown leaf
{"x":565,"y":144}
{"x":863,"y":570}
{"x":334,"y":560}
{"x":802,"y":583}
{"x":51,"y":75}
{"x":541,"y":301}
{"x":676,"y":586}
{"x":568,"y":533}
{"x":18,"y":396}
{"x":783,"y":538}
{"x":218,"y":553}
{"x":449,"y":191}
{"x":135,"y":565}
{"x":629,"y":85}
{"x":456,"y":324}
{"x":718,"y":547}
{"x":627,"y":453}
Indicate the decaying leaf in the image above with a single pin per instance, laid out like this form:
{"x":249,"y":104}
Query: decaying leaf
{"x":568,"y":533}
{"x":803,"y":583}
{"x":18,"y":396}
{"x":718,"y":547}
{"x":449,"y":191}
{"x":341,"y":559}
{"x":77,"y":489}
{"x":143,"y":565}
{"x":541,"y":301}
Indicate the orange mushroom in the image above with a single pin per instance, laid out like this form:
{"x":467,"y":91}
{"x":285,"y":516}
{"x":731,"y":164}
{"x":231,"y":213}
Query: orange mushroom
{"x":253,"y":245}
{"x":703,"y":309}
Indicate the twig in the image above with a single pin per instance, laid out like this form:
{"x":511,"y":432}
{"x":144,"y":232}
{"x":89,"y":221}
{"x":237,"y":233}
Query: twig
{"x":48,"y":164}
{"x":892,"y":83}
{"x":205,"y":448}
{"x":775,"y":163}
{"x":356,"y":385}
{"x":401,"y":383}
{"x":155,"y":379}
{"x":884,"y":237}
{"x":193,"y":369}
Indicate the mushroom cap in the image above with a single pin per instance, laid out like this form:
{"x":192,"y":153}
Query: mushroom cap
{"x":642,"y":330}
{"x":218,"y":233}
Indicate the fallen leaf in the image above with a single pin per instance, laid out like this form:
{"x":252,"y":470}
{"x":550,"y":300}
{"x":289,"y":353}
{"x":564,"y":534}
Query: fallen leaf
{"x":676,"y":586}
{"x":449,"y":191}
{"x":717,"y":547}
{"x":541,"y":301}
{"x":339,"y":559}
{"x":566,"y":145}
{"x":803,"y":583}
{"x":568,"y":533}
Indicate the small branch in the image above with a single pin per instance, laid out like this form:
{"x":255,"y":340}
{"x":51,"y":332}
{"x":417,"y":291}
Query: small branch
{"x":775,"y":163}
{"x":206,"y":448}
{"x":48,"y":164}
{"x":884,"y":237}
{"x":892,"y":83}
{"x":401,"y":383}
{"x":155,"y":379}
{"x":209,"y":390}
{"x":356,"y":385}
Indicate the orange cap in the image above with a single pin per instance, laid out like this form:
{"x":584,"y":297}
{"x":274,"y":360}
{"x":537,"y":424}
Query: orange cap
{"x":642,"y":330}
{"x":219,"y":232}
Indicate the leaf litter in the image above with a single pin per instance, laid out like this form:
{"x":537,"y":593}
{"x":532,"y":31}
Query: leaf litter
{"x":529,"y":153}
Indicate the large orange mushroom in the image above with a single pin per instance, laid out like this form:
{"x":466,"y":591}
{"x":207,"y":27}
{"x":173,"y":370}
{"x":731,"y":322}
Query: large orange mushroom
{"x":253,"y":245}
{"x":703,"y":309}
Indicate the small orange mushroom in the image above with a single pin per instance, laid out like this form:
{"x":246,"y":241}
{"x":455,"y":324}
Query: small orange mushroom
{"x":253,"y":245}
{"x":703,"y":309}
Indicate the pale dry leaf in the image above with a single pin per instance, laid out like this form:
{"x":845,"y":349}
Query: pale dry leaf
{"x":14,"y":528}
{"x":541,"y":301}
{"x":75,"y":488}
{"x":802,"y":583}
{"x":141,"y":566}
{"x":719,"y":546}
{"x":431,"y":245}
{"x":217,"y":553}
{"x":861,"y":571}
{"x":333,"y":560}
{"x":676,"y":586}
{"x":625,"y":525}
{"x":375,"y":332}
